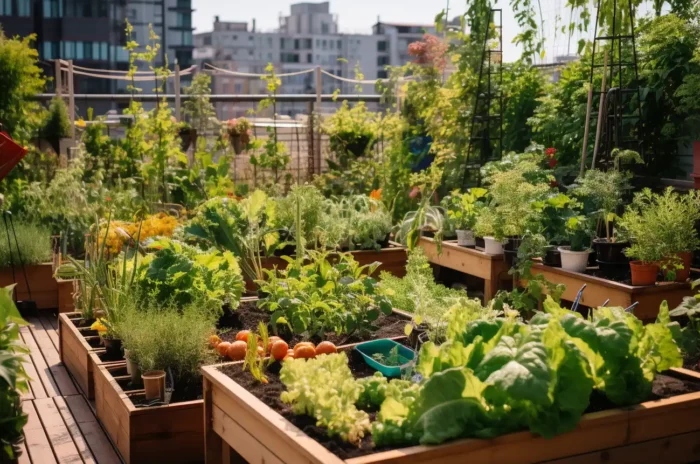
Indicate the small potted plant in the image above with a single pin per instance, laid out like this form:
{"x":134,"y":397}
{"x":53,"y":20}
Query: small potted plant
{"x":574,"y":257}
{"x":187,"y":134}
{"x":662,"y":230}
{"x":239,"y":134}
{"x":462,"y":211}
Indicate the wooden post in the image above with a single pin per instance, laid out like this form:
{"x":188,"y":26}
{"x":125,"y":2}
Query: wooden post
{"x":71,"y":100}
{"x":57,"y":78}
{"x":213,"y":444}
{"x":600,"y":109}
{"x":319,"y":92}
{"x":177,"y":93}
{"x":311,"y":152}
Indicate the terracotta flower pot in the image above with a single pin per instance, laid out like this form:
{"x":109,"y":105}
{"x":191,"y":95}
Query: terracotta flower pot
{"x":683,"y":274}
{"x":643,"y":273}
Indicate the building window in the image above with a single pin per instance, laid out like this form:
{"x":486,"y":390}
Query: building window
{"x":237,"y":88}
{"x":53,"y":8}
{"x":24,"y":8}
{"x":325,"y":44}
{"x":296,"y":44}
{"x":5,"y":7}
{"x":382,"y":75}
{"x":324,"y":28}
{"x":206,"y":40}
{"x":382,"y":60}
{"x":309,"y":58}
{"x":381,"y":46}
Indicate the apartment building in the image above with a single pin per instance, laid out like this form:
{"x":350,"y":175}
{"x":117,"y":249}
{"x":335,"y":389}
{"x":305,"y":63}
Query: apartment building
{"x":307,"y":38}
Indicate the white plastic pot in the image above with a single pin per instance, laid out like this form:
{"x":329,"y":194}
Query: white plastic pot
{"x":575,"y":261}
{"x":492,"y":246}
{"x":465,"y":238}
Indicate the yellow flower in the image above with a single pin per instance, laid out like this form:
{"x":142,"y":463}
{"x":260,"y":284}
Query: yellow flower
{"x":80,"y":123}
{"x":99,"y":326}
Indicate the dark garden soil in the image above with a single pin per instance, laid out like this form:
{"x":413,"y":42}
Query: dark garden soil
{"x":248,"y":316}
{"x":664,"y":386}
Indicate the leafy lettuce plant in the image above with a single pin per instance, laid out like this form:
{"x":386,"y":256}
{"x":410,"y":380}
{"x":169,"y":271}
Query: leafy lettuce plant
{"x":325,"y":389}
{"x":502,"y":375}
{"x":179,"y":274}
{"x":328,"y":293}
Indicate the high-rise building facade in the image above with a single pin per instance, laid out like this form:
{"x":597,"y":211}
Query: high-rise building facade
{"x":92,"y":32}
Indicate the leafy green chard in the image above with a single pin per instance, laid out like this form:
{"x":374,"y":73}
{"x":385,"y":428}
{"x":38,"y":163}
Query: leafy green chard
{"x":377,"y":388}
{"x":502,"y":375}
{"x":324,"y":296}
{"x":325,"y":389}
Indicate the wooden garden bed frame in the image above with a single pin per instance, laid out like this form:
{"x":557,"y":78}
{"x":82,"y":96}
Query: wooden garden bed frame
{"x":43,"y":286}
{"x":471,"y":261}
{"x":598,"y":290}
{"x":666,"y":430}
{"x":75,"y":348}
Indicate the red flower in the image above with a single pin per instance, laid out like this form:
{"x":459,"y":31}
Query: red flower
{"x":550,"y":152}
{"x":554,"y":184}
{"x":552,"y":162}
{"x":108,"y":199}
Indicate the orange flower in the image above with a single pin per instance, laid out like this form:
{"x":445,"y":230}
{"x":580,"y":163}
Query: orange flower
{"x":376,"y":194}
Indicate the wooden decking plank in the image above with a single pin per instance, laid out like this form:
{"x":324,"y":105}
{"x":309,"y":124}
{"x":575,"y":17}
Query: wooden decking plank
{"x":61,"y":440}
{"x":37,"y":442}
{"x":51,"y":331}
{"x":38,"y":390}
{"x":23,"y":457}
{"x":43,"y":371}
{"x":31,"y":372}
{"x":74,"y":430}
{"x":52,"y":357}
{"x":101,"y":447}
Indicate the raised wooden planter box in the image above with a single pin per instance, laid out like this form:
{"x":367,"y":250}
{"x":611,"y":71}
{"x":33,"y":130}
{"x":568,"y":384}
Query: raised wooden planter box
{"x":393,"y":261}
{"x":172,"y":433}
{"x":42,"y":284}
{"x":474,"y":262}
{"x":75,"y":346}
{"x":666,"y":430}
{"x":598,"y":290}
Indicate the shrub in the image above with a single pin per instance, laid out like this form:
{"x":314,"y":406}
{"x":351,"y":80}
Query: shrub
{"x":57,"y":123}
{"x":34,"y":243}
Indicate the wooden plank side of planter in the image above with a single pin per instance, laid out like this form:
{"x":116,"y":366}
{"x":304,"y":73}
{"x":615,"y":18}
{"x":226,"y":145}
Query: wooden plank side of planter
{"x":234,"y":409}
{"x":173,"y":433}
{"x":112,"y":410}
{"x":598,"y":290}
{"x":270,"y":433}
{"x":677,"y":449}
{"x":74,"y":352}
{"x":41,"y":283}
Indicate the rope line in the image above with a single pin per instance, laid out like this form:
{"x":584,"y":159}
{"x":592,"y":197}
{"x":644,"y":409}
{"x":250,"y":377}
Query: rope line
{"x":242,"y":74}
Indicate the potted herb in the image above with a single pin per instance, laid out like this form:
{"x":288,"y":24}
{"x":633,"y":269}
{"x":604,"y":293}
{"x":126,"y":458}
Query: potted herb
{"x":512,"y":190}
{"x":553,"y":214}
{"x":462,"y":211}
{"x":239,"y":134}
{"x":198,"y":110}
{"x":352,"y":132}
{"x":574,"y":257}
{"x":662,"y":230}
{"x":602,"y":196}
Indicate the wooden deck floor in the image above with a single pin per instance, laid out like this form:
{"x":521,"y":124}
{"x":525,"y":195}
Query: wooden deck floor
{"x":62,"y":426}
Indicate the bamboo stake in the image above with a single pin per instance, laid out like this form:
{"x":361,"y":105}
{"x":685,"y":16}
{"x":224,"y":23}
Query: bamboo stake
{"x":600,"y":109}
{"x":584,"y":151}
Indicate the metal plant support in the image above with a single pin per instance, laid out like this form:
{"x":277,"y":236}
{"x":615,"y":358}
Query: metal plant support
{"x":486,"y":131}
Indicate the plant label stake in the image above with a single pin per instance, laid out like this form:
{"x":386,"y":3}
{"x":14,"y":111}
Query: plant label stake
{"x":574,"y":306}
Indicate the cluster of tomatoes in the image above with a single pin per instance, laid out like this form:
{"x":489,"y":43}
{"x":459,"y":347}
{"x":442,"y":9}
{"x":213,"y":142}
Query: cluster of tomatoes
{"x":276,"y":348}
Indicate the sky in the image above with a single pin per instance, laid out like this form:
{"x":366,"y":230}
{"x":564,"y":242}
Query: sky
{"x":358,"y":16}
